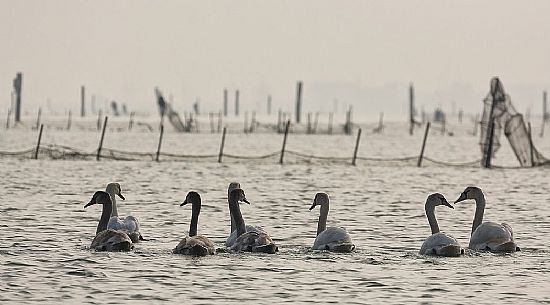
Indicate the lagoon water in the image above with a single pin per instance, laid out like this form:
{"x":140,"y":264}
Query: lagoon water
{"x":45,"y":232}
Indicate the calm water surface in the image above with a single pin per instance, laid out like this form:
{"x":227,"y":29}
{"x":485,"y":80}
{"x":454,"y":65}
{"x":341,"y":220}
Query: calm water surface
{"x":44,"y":255}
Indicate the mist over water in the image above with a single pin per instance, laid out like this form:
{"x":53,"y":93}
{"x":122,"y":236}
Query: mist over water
{"x":46,"y":233}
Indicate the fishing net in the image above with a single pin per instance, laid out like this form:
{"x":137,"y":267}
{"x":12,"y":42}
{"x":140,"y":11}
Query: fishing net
{"x":498,"y":105}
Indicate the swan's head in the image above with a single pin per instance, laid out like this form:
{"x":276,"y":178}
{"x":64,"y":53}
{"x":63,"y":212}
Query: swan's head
{"x":100,"y":197}
{"x":471,"y":192}
{"x":320,"y":199}
{"x":232,"y":186}
{"x":192,"y":197}
{"x":114,"y":188}
{"x":237,"y":195}
{"x":436,"y":199}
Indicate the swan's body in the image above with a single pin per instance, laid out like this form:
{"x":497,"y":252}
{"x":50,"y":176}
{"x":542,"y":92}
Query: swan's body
{"x":128,"y":224}
{"x":108,"y":239}
{"x":251,"y":241}
{"x":438,"y":243}
{"x":196,"y":245}
{"x":488,"y":236}
{"x":335,"y":239}
{"x":248,"y":228}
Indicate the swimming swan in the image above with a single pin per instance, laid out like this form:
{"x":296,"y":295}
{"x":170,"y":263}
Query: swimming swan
{"x":438,"y":243}
{"x":107,"y":239}
{"x":129,"y":224}
{"x":251,"y":241}
{"x":248,"y":228}
{"x":334,"y":239}
{"x":197,"y":245}
{"x":489,"y":236}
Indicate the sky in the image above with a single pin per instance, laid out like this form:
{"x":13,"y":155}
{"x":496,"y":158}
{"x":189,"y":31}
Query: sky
{"x":360,"y":53}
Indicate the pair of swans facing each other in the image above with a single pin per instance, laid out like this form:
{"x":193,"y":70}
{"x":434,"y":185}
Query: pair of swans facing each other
{"x":485,"y":236}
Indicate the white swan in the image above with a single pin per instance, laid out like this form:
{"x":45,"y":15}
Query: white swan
{"x":489,"y":236}
{"x":438,"y":243}
{"x":107,"y":239}
{"x":129,"y":224}
{"x":251,"y":241}
{"x":248,"y":228}
{"x":197,"y":245}
{"x":334,"y":239}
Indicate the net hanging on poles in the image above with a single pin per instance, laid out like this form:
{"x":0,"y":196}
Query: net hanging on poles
{"x":506,"y":117}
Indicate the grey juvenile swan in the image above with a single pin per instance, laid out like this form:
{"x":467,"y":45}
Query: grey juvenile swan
{"x":248,"y":228}
{"x":488,"y":235}
{"x":128,"y":224}
{"x":334,"y":239}
{"x":197,"y":245}
{"x":251,"y":241}
{"x":438,"y":243}
{"x":107,"y":239}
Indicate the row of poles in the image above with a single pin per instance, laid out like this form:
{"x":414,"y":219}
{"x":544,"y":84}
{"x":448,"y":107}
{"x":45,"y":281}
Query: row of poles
{"x":220,"y":155}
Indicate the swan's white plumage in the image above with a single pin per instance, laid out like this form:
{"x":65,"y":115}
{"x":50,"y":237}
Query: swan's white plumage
{"x":332,"y":238}
{"x":436,"y":242}
{"x":233,"y":236}
{"x":128,"y":224}
{"x":490,"y":236}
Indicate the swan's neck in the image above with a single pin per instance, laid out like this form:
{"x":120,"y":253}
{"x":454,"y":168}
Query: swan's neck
{"x":322,"y":224}
{"x":237,"y":217}
{"x":233,"y":226}
{"x":430,"y":213}
{"x":194,"y":219}
{"x":114,"y":211}
{"x":480,"y":209}
{"x":105,"y":216}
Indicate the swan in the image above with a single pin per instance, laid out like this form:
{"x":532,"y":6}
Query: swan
{"x":197,"y":245}
{"x":248,"y":228}
{"x":488,"y":235}
{"x":107,"y":239}
{"x":438,"y":243}
{"x":129,"y":224}
{"x":251,"y":241}
{"x":334,"y":239}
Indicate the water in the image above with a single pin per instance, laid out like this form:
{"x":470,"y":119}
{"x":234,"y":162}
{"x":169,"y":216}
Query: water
{"x":45,"y":232}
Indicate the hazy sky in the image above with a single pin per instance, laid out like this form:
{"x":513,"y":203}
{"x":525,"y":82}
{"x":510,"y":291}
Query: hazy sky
{"x":360,"y":52}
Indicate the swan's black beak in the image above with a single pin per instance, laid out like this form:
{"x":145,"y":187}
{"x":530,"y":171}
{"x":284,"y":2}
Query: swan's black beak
{"x":446,"y":203}
{"x":461,"y":198}
{"x":312,"y":206}
{"x":121,"y":197}
{"x":244,"y":200}
{"x":184,"y":202}
{"x":89,"y":203}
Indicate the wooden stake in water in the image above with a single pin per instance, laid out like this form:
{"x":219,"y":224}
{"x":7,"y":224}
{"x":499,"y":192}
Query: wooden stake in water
{"x":531,"y":150}
{"x":100,"y":113}
{"x":237,"y":103}
{"x":356,"y":147}
{"x":222,"y":145}
{"x":224,"y":102}
{"x":131,"y":123}
{"x":309,"y":122}
{"x":211,"y":117}
{"x":69,"y":120}
{"x":316,"y":122}
{"x":284,"y":142}
{"x":160,"y":142}
{"x":38,"y":143}
{"x":279,"y":117}
{"x":82,"y":101}
{"x":419,"y":164}
{"x":246,"y":122}
{"x":495,"y":85}
{"x":8,"y":120}
{"x":102,"y":136}
{"x":411,"y":109}
{"x":253,"y":122}
{"x":544,"y":113}
{"x":219,"y":122}
{"x":476,"y":122}
{"x":298,"y":102}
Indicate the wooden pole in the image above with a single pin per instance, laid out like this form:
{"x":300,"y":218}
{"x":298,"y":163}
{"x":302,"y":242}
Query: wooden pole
{"x":225,"y":102}
{"x":419,"y":164}
{"x":356,"y":147}
{"x":18,"y":86}
{"x":211,"y":117}
{"x":309,"y":122}
{"x":531,"y":150}
{"x":160,"y":142}
{"x":102,"y":136}
{"x":38,"y":143}
{"x":237,"y":103}
{"x":411,"y":109}
{"x":219,"y":121}
{"x":491,"y":126}
{"x":316,"y":122}
{"x":381,"y":122}
{"x":330,"y":119}
{"x":284,"y":142}
{"x":253,"y":121}
{"x":8,"y":120}
{"x":279,"y":117}
{"x":476,"y":122}
{"x":69,"y":120}
{"x":544,"y":113}
{"x":220,"y":156}
{"x":82,"y":101}
{"x":246,"y":122}
{"x":131,"y":123}
{"x":298,"y":102}
{"x":100,"y":113}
